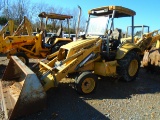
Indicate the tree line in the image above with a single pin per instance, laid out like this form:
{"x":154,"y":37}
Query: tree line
{"x":17,"y":9}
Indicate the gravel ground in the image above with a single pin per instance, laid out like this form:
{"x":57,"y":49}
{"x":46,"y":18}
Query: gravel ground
{"x":115,"y":100}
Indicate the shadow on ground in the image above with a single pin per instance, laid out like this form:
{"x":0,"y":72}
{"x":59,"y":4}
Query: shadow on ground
{"x":63,"y":102}
{"x":145,"y":83}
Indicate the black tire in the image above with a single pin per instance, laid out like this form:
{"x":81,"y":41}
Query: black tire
{"x":22,"y":56}
{"x":86,"y":83}
{"x":56,"y":47}
{"x":129,"y":66}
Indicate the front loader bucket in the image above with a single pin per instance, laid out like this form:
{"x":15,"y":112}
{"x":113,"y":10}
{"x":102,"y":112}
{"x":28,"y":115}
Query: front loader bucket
{"x":21,"y":90}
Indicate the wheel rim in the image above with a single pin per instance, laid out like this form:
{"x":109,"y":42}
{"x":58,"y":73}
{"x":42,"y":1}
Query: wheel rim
{"x":133,"y":67}
{"x":88,"y":85}
{"x":22,"y":59}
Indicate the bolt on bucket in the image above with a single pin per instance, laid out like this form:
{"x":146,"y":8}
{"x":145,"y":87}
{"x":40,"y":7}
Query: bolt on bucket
{"x":21,"y":90}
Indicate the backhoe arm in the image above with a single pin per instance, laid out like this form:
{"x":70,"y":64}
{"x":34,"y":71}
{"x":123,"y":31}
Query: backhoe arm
{"x":25,"y":24}
{"x":9,"y":26}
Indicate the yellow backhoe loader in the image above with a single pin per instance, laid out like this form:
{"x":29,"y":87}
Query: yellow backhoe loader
{"x":29,"y":46}
{"x":9,"y":43}
{"x":97,"y":53}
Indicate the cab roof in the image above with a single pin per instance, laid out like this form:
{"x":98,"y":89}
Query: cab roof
{"x":54,"y":16}
{"x":107,"y":10}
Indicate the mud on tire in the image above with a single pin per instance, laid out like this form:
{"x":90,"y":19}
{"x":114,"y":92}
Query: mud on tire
{"x":129,"y":66}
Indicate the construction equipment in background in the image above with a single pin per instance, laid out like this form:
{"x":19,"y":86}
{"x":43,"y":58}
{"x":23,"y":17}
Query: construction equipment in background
{"x":138,"y":35}
{"x":10,"y":44}
{"x":96,"y":54}
{"x":57,"y":40}
{"x":148,"y":40}
{"x":152,"y":49}
{"x":143,"y":40}
{"x":29,"y":46}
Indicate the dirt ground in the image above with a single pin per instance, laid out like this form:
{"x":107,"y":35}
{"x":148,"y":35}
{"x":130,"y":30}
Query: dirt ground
{"x":113,"y":100}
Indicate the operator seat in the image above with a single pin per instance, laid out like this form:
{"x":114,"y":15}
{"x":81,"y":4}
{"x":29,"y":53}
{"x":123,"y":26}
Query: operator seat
{"x":51,"y":39}
{"x":44,"y":45}
{"x":114,"y":41}
{"x":59,"y":32}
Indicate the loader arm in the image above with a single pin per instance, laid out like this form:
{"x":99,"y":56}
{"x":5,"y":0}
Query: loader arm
{"x":51,"y":73}
{"x":21,"y":88}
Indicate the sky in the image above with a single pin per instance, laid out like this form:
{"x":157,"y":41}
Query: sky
{"x":147,"y":11}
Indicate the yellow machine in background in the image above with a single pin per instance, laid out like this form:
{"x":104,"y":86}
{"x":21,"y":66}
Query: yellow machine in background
{"x":148,"y":40}
{"x":140,"y":30}
{"x":96,"y":54}
{"x":10,"y":44}
{"x":152,"y":49}
{"x":145,"y":41}
{"x":27,"y":46}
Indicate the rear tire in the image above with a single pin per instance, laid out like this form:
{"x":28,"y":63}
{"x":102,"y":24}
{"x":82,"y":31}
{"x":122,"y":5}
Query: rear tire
{"x":22,"y":56}
{"x":129,"y":66}
{"x":86,"y":83}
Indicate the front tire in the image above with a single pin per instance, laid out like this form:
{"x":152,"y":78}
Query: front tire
{"x":129,"y":66}
{"x":86,"y":83}
{"x":22,"y":56}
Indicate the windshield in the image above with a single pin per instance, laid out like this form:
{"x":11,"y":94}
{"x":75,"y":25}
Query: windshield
{"x":97,"y":25}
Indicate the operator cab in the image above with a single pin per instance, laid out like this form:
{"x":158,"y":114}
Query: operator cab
{"x":101,"y":24}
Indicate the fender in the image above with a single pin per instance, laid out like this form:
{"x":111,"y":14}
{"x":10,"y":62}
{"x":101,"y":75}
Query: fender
{"x":125,"y":48}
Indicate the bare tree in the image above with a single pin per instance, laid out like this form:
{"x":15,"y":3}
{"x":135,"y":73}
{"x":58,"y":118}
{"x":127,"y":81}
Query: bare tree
{"x":15,"y":9}
{"x":5,"y":10}
{"x":83,"y":23}
{"x":22,"y":9}
{"x":55,"y":23}
{"x":74,"y":21}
